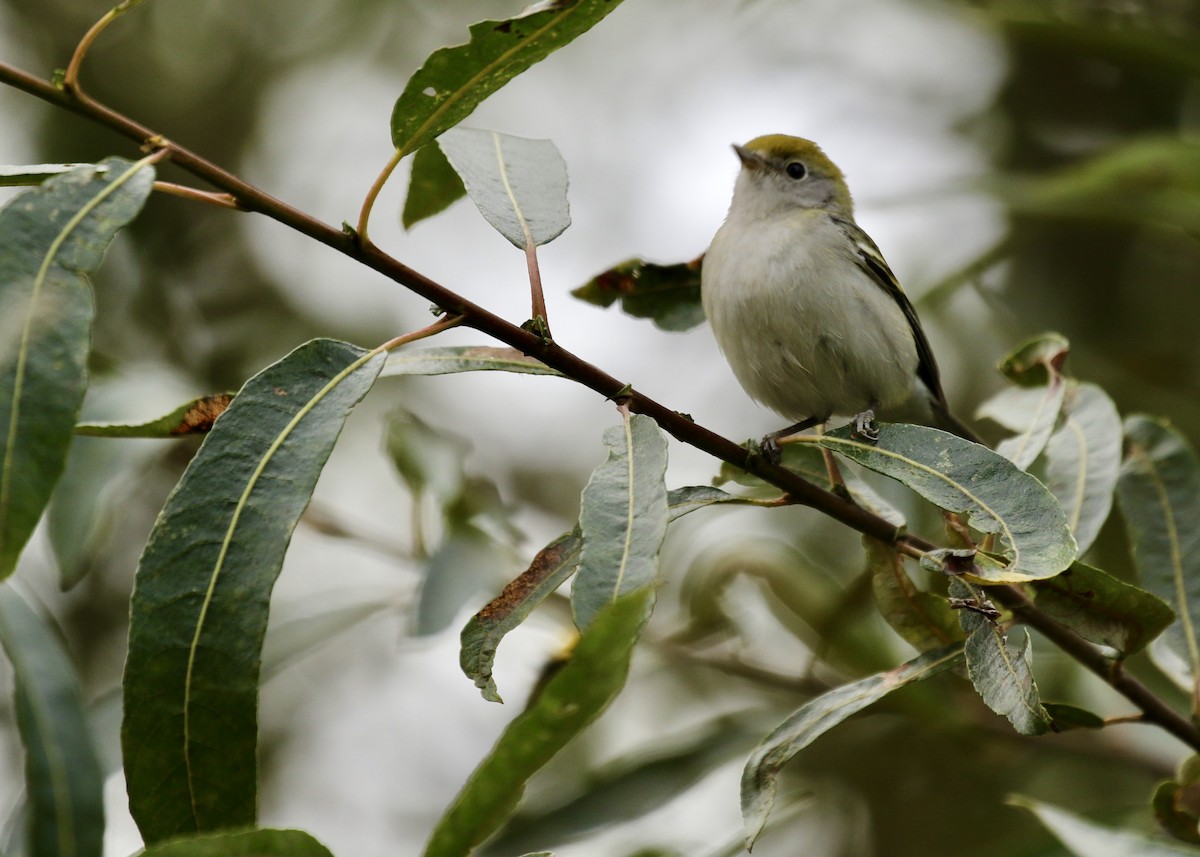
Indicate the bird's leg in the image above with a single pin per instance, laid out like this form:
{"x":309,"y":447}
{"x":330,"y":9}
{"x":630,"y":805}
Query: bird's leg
{"x":864,"y":423}
{"x":769,"y":445}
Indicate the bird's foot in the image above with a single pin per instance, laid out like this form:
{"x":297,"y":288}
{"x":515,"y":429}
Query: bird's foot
{"x":769,"y":448}
{"x":865,"y":427}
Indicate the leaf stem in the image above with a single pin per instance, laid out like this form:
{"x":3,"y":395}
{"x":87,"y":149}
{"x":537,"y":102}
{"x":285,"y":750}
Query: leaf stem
{"x":223,"y":200}
{"x":364,"y":213}
{"x":801,"y":491}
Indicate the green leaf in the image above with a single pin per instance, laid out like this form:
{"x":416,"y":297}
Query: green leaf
{"x":684,"y":501}
{"x":51,"y":239}
{"x":465,"y":358}
{"x":63,"y":780}
{"x":261,"y":842}
{"x":1002,"y":677}
{"x":1085,"y":838}
{"x":202,"y":592}
{"x":1159,"y":494}
{"x":1177,"y":803}
{"x":669,"y":295}
{"x":963,"y":477}
{"x":194,"y":417}
{"x":483,"y":633}
{"x":630,"y":787}
{"x":622,"y":518}
{"x":553,"y":565}
{"x":1069,"y":717}
{"x":432,"y":188}
{"x":1083,"y":460}
{"x":923,"y":619}
{"x":814,"y":719}
{"x":1037,"y":361}
{"x":18,"y":175}
{"x":572,"y":698}
{"x":518,"y":185}
{"x":1031,"y":409}
{"x":1100,"y":608}
{"x":454,"y":80}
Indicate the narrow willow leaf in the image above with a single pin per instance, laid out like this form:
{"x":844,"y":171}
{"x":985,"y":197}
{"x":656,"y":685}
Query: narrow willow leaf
{"x":1159,"y":493}
{"x":623,"y":518}
{"x":553,"y":565}
{"x":260,"y":842}
{"x":202,"y":592}
{"x":1003,"y":678}
{"x":1100,"y":608}
{"x":518,"y":185}
{"x":1085,"y":838}
{"x":483,"y":633}
{"x":668,"y":295}
{"x":432,"y":188}
{"x":1083,"y":460}
{"x":454,"y":80}
{"x":51,"y":239}
{"x":572,"y":698}
{"x":814,"y":719}
{"x":465,"y":358}
{"x":630,"y":787}
{"x":923,"y":619}
{"x":962,"y":477}
{"x":194,"y":417}
{"x":63,"y":780}
{"x":19,"y":175}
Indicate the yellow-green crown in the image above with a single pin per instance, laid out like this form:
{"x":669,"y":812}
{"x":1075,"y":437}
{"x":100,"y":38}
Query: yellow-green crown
{"x":778,"y":149}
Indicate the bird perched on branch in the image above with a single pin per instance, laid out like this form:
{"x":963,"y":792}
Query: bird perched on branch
{"x":807,"y":312}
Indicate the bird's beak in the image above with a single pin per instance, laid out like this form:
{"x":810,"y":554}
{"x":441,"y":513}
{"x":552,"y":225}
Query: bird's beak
{"x":750,"y":159}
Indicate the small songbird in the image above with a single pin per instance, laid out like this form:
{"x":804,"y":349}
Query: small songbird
{"x":807,"y":312}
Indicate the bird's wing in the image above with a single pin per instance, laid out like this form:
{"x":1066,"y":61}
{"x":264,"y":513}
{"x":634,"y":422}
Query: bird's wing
{"x":871,"y":260}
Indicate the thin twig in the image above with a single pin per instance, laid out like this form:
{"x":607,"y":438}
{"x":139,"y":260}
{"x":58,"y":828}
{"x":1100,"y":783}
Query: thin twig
{"x":474,"y":316}
{"x":223,"y":200}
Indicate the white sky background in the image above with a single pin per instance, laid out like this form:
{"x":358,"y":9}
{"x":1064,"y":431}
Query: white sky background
{"x":643,"y":109}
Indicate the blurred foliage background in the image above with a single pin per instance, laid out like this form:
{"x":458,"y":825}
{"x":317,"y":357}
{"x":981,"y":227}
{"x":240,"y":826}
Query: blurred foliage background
{"x":1025,"y":166}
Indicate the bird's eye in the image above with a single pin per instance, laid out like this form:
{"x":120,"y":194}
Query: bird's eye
{"x":796,"y":170}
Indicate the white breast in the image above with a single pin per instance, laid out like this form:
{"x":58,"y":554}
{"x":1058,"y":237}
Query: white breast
{"x":807,"y":331}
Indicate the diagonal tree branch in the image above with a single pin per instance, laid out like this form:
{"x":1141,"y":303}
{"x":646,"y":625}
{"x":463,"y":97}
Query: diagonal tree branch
{"x":802,"y":492}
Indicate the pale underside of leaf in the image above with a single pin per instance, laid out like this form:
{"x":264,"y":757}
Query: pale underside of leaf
{"x":814,"y":719}
{"x":623,"y":517}
{"x":966,"y":478}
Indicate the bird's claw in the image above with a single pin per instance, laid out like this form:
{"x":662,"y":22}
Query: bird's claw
{"x":865,"y":427}
{"x":769,"y":449}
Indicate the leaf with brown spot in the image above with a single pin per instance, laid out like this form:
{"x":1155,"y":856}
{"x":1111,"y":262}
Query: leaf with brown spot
{"x":483,"y":633}
{"x":668,"y":295}
{"x":194,"y":417}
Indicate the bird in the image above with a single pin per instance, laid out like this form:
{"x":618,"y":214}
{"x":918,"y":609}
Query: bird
{"x":803,"y":304}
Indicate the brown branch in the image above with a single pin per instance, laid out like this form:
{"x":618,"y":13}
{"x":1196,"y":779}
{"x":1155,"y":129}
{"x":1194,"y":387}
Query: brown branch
{"x":800,"y":491}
